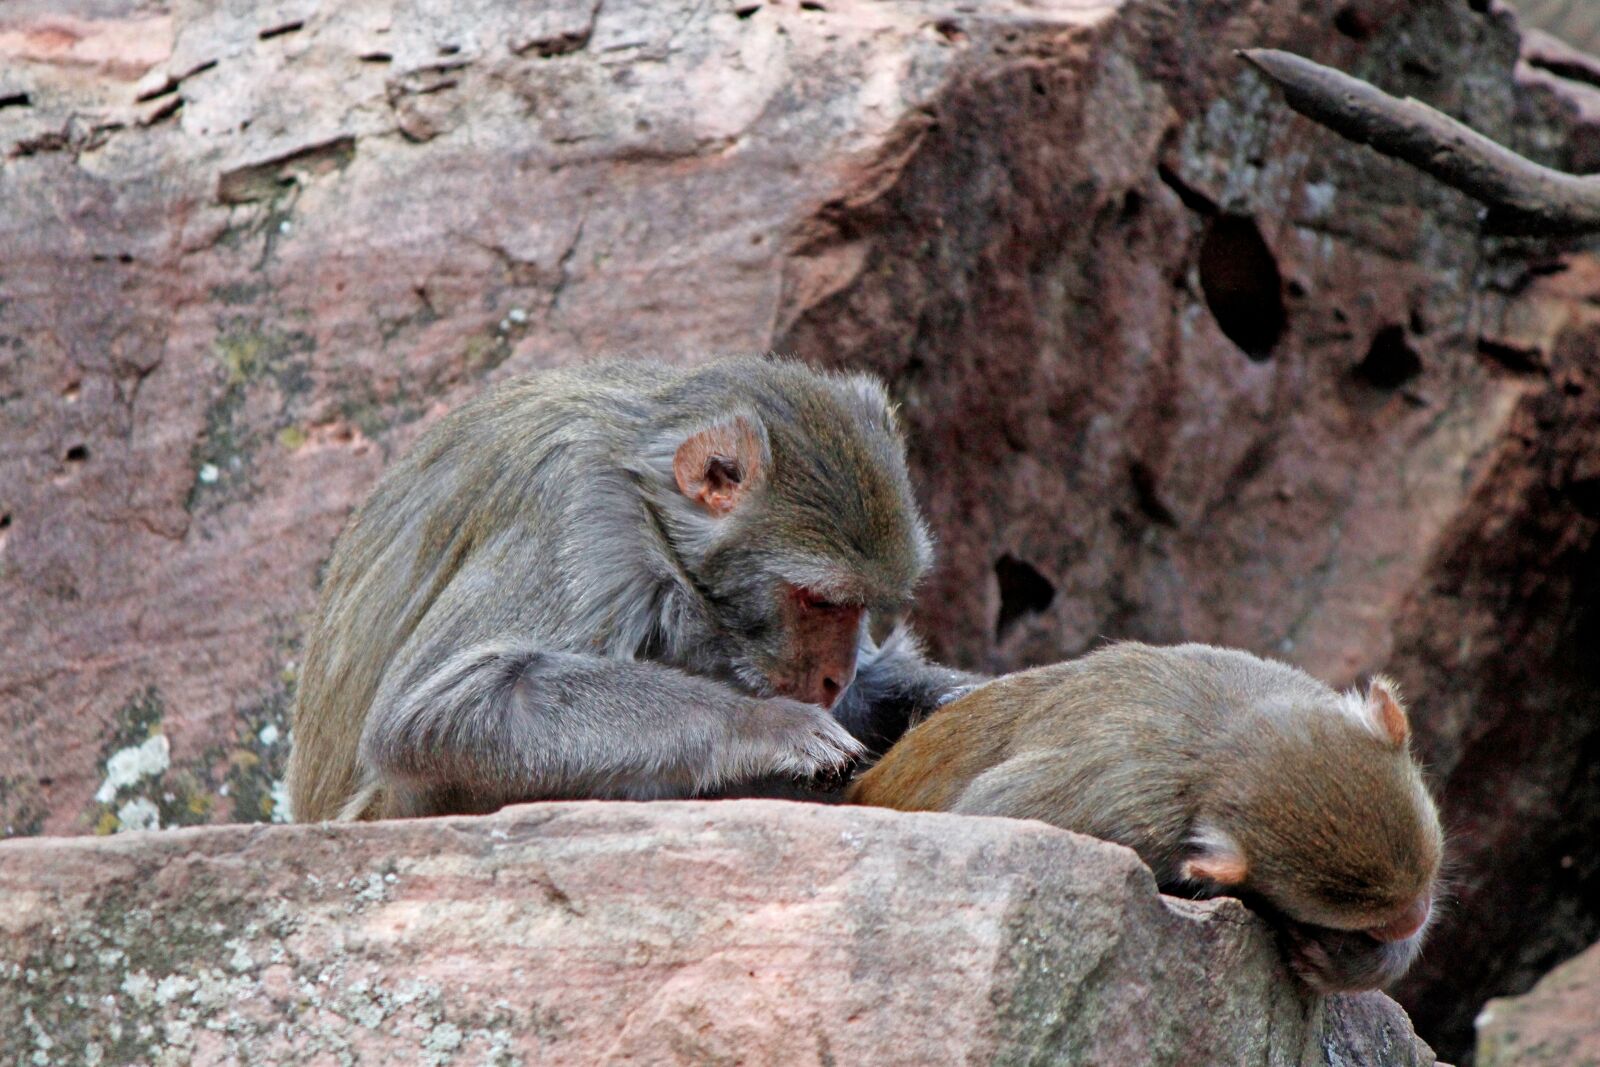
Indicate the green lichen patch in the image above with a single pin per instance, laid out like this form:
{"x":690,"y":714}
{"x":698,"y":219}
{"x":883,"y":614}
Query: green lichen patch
{"x":258,"y":761}
{"x":485,"y":352}
{"x":139,"y":788}
{"x":124,"y":981}
{"x":186,"y":958}
{"x":240,"y":293}
{"x":22,"y":807}
{"x":242,"y":780}
{"x":374,"y":415}
{"x":264,"y":372}
{"x":136,"y":722}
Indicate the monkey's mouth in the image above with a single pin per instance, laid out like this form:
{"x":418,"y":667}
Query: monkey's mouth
{"x":1338,"y":961}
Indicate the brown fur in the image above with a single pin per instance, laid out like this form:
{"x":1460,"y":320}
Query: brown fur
{"x":1226,"y":773}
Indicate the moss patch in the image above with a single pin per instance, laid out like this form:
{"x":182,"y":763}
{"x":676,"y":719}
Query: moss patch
{"x":263,"y":372}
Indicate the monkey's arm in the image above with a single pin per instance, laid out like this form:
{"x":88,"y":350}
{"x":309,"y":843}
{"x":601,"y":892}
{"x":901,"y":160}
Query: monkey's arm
{"x":506,"y":720}
{"x":895,"y":688}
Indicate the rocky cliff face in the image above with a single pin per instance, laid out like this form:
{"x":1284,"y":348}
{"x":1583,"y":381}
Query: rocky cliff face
{"x":1176,"y":363}
{"x":737,"y":932}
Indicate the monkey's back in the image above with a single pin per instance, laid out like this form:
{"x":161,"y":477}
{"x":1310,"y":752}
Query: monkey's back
{"x":1117,"y":744}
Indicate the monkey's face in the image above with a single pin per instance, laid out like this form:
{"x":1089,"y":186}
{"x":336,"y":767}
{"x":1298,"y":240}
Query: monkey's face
{"x":1338,"y":961}
{"x":1347,"y":854}
{"x":792,"y":585}
{"x":791,"y":629}
{"x":818,"y":659}
{"x":808,"y":526}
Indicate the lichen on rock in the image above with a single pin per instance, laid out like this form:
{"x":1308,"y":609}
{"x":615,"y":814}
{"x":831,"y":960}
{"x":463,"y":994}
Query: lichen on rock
{"x":759,"y":932}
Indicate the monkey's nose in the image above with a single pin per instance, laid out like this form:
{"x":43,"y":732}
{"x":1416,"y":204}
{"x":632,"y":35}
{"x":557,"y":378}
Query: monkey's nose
{"x":827,"y":684}
{"x":830,"y":692}
{"x":1406,"y":925}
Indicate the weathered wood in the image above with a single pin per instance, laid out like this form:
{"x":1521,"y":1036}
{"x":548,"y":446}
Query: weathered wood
{"x":1522,"y":196}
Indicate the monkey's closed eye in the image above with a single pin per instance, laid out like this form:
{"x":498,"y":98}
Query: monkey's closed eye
{"x":813,"y":602}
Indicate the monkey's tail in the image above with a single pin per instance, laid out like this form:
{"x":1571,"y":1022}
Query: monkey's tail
{"x":363,"y":805}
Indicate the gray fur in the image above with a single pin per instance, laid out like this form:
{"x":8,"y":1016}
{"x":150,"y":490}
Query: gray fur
{"x":528,"y":607}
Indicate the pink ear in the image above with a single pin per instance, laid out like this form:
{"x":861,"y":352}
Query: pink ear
{"x":718,"y":466}
{"x":1218,"y":859}
{"x":1219,"y":870}
{"x":1387,"y":715}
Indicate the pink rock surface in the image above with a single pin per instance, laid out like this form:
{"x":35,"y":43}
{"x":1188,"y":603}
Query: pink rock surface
{"x":1176,"y":363}
{"x":750,"y":932}
{"x":1554,"y":1024}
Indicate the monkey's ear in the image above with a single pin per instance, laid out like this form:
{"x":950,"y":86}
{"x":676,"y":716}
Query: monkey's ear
{"x":1385,"y":714}
{"x":718,"y":466}
{"x":1217,"y":859}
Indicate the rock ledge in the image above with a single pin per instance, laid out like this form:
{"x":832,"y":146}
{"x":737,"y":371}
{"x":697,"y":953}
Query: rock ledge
{"x":751,"y":932}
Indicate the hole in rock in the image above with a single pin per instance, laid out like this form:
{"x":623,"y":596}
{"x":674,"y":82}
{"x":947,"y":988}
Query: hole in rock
{"x":1585,"y":496}
{"x":1520,"y":359}
{"x":1243,"y":288}
{"x":1144,"y":489}
{"x":1354,"y":22}
{"x":1132,"y":205}
{"x":78,"y":454}
{"x":16,"y":100}
{"x":278,"y":31}
{"x":1390,"y":361}
{"x":5,"y":521}
{"x":1023,"y":591}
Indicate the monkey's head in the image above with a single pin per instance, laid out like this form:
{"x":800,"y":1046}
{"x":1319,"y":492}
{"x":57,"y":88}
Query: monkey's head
{"x":1332,"y":829}
{"x":791,"y":513}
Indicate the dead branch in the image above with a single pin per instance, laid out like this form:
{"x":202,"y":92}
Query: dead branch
{"x":1522,"y":196}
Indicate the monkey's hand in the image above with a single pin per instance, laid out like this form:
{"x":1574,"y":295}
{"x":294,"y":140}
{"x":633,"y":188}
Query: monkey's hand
{"x":782,"y":736}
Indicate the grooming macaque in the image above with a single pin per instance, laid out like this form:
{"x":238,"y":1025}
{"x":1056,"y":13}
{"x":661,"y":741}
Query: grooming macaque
{"x":1226,"y":773}
{"x":626,"y":580}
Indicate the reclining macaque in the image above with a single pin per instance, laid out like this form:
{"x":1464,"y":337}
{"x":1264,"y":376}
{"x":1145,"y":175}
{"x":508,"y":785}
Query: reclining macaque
{"x":1226,"y":773}
{"x":623,"y":580}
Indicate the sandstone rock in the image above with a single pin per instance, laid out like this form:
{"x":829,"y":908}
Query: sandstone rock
{"x":1573,"y":20}
{"x":1177,"y":364}
{"x":1557,"y":1023}
{"x":753,"y":932}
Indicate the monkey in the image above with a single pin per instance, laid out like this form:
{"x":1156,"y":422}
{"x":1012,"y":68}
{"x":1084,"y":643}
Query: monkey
{"x":1226,"y":773}
{"x":623,"y":580}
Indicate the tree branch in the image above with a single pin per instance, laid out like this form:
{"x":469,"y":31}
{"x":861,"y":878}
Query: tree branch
{"x":1522,"y":196}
